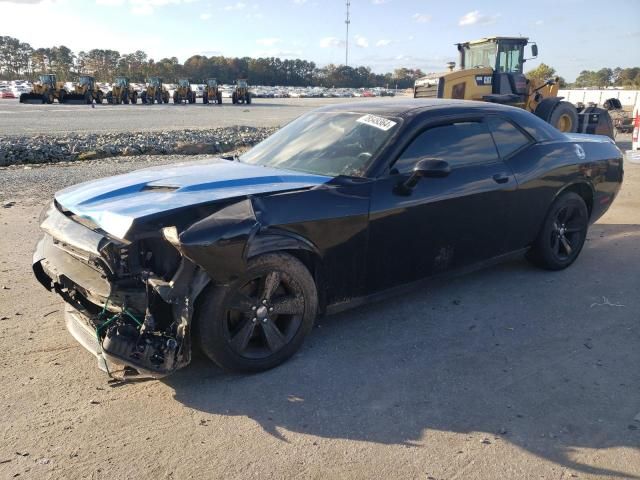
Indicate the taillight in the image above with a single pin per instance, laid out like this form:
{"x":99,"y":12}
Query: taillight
{"x":636,"y":127}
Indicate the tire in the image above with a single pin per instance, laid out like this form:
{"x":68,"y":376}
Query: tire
{"x":99,"y":98}
{"x":237,"y":331}
{"x":134,"y":99}
{"x":564,"y":117}
{"x":109,"y":97}
{"x":205,"y":98}
{"x":563,"y":233}
{"x":61,"y":96}
{"x":219,"y":98}
{"x":248,"y":98}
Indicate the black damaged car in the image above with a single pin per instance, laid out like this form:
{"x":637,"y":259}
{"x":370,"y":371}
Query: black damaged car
{"x":340,"y":207}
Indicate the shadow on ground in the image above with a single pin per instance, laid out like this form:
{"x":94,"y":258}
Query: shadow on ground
{"x":536,"y":358}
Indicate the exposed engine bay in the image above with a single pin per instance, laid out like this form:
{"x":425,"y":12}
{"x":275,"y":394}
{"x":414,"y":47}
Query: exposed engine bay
{"x":129,"y":303}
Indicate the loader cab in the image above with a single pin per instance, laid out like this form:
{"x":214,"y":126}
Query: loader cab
{"x":86,"y":80}
{"x":183,"y":82}
{"x":505,"y":56}
{"x":212,"y":83}
{"x":242,"y":83}
{"x":122,"y":82}
{"x":48,"y":79}
{"x":502,"y":54}
{"x":155,"y":82}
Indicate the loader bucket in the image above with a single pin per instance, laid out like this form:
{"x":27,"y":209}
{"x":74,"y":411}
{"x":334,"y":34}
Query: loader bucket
{"x":76,"y":99}
{"x":32,"y":98}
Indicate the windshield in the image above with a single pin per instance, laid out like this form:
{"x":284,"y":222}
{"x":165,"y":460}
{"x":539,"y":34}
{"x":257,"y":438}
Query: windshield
{"x":510,"y":57}
{"x":121,"y":82}
{"x":183,"y":83}
{"x":47,"y":79}
{"x":325,"y":143}
{"x":481,"y":55}
{"x":154,"y":82}
{"x":212,"y":82}
{"x":84,"y":81}
{"x":242,"y":83}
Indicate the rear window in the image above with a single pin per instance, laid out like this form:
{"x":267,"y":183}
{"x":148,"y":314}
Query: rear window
{"x":507,"y":136}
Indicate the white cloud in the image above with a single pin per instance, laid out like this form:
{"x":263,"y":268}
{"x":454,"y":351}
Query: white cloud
{"x":268,"y":42}
{"x":383,"y":42}
{"x":299,"y":2}
{"x":379,"y":2}
{"x":361,"y":41}
{"x":539,"y":22}
{"x":477,"y":18}
{"x":331,"y":42}
{"x":421,"y":17}
{"x":110,"y":3}
{"x":274,"y":52}
{"x":236,"y":6}
{"x":205,"y":16}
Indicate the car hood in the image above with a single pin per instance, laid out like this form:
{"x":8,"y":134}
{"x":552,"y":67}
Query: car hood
{"x":115,"y":203}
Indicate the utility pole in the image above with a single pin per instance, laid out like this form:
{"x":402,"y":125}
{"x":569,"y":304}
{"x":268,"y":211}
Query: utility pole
{"x":347,"y":22}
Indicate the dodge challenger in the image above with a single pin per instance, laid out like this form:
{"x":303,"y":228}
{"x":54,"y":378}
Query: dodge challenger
{"x":342,"y":206}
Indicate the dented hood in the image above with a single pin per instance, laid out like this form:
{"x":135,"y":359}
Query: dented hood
{"x":116,"y":203}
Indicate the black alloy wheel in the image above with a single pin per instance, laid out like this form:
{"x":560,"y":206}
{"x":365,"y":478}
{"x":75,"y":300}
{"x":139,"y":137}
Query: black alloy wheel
{"x":261,"y":319}
{"x":563,"y":233}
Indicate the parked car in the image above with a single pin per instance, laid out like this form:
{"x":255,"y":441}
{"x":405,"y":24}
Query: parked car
{"x":341,"y":206}
{"x":6,"y":93}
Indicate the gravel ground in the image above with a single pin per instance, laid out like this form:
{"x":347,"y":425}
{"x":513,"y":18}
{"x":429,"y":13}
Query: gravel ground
{"x":506,"y":373}
{"x":27,"y":149}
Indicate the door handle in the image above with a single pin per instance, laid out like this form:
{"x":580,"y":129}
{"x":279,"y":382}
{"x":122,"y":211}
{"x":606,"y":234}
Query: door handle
{"x":500,"y":178}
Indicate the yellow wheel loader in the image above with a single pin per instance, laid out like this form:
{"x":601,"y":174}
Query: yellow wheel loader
{"x":212,"y":93}
{"x":183,"y":92}
{"x":241,"y":93}
{"x":85,"y":90}
{"x":491,"y":71}
{"x":122,"y":92}
{"x":155,"y":92}
{"x":45,"y":90}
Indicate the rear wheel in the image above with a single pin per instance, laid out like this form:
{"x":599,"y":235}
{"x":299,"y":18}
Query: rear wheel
{"x":205,"y":97}
{"x":564,"y":117}
{"x":219,"y":98}
{"x":261,"y":319}
{"x":61,"y":96}
{"x":563,"y":233}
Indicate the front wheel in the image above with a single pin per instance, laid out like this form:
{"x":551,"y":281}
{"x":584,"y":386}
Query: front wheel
{"x":261,"y":319}
{"x":563,"y":233}
{"x":564,"y":117}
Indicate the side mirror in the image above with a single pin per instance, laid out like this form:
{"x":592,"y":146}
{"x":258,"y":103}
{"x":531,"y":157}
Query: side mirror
{"x":534,"y":50}
{"x":427,"y":168}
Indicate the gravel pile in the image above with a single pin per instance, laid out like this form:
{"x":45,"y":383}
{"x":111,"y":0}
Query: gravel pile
{"x":28,"y":149}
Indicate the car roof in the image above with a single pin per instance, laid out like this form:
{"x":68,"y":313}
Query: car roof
{"x":410,"y":107}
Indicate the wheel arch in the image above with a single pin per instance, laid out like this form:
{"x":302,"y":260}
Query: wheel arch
{"x":296,"y":246}
{"x":583,"y":188}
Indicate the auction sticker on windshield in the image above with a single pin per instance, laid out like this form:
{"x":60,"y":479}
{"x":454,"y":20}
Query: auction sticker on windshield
{"x":376,"y":121}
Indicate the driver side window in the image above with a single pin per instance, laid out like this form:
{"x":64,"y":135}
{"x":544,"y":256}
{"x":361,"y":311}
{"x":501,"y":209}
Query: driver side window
{"x":459,"y":143}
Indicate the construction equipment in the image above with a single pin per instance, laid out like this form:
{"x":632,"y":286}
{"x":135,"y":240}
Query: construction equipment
{"x":212,"y":93}
{"x":491,"y":71}
{"x":155,"y":92}
{"x":45,"y":90}
{"x":184,"y":93}
{"x":122,"y":92}
{"x":84,"y":91}
{"x":241,"y":92}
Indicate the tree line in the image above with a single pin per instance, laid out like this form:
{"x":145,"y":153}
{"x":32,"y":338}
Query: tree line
{"x":603,"y":78}
{"x":18,"y":60}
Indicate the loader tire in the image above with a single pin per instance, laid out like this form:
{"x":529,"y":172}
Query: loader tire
{"x":564,"y":117}
{"x":205,"y":98}
{"x":219,"y":98}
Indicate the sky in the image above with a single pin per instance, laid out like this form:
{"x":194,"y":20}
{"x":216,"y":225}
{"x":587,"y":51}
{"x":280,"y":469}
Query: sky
{"x":572,"y":35}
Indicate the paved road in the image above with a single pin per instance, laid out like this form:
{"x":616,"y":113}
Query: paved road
{"x":506,"y":373}
{"x":20,"y":119}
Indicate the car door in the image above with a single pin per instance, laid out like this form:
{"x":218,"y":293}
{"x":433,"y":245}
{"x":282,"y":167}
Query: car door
{"x":442,"y":223}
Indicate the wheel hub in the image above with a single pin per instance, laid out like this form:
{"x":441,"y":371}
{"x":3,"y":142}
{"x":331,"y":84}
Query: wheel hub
{"x":262,"y":312}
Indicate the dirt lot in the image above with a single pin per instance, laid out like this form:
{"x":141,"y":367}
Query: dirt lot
{"x":508,"y":373}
